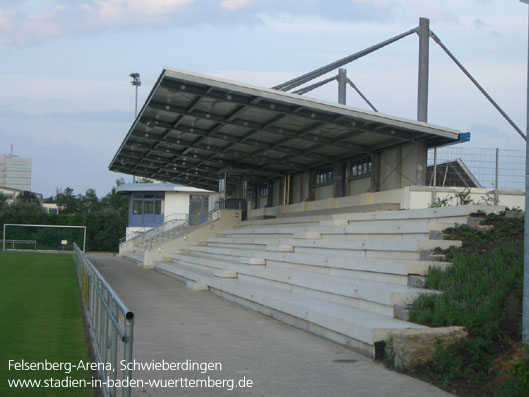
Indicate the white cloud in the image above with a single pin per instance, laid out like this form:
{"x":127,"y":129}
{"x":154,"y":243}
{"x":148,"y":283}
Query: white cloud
{"x":19,"y":29}
{"x":234,"y":5}
{"x":118,"y":10}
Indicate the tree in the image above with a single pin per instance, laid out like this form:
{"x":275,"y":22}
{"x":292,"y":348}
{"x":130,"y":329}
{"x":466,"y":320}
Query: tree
{"x":28,"y":197}
{"x":89,"y":201}
{"x":66,"y":199}
{"x":3,"y":201}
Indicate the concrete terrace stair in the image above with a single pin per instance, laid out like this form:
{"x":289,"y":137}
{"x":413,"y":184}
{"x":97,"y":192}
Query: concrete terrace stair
{"x":345,"y":276}
{"x":360,"y":329}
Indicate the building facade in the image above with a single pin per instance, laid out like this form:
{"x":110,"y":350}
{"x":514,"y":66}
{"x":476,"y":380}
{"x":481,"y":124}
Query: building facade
{"x":154,"y":204}
{"x":15,"y":172}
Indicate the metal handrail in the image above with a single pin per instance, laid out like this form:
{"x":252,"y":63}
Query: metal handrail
{"x":104,"y":311}
{"x":181,"y":229}
{"x":150,"y":230}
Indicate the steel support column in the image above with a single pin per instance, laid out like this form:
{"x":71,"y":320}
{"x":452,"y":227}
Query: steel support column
{"x":424,"y":55}
{"x":342,"y":85}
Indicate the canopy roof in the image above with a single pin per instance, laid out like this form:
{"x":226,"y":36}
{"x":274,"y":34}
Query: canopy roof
{"x":159,"y":187}
{"x":194,"y":127}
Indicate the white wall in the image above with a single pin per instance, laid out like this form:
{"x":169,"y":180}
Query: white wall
{"x":358,"y":186}
{"x":176,"y":203}
{"x":324,"y":192}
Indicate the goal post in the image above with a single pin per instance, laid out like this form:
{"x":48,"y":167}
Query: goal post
{"x":43,"y":237}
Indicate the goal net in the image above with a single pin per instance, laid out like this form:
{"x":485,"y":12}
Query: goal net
{"x":43,"y":237}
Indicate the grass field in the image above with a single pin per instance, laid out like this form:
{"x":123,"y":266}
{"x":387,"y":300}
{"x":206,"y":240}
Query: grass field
{"x":40,"y":319}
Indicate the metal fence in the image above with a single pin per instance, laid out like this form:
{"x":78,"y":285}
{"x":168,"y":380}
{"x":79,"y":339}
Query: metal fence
{"x":468,"y":167}
{"x":111,"y":325}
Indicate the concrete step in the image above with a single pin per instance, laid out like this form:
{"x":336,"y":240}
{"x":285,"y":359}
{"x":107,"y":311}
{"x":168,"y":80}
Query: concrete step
{"x":440,"y":212}
{"x":286,"y":221}
{"x":360,"y":329}
{"x":413,"y":245}
{"x":377,"y":228}
{"x":368,"y":295}
{"x":135,"y":256}
{"x":328,"y":263}
{"x":331,"y":211}
{"x":194,"y":272}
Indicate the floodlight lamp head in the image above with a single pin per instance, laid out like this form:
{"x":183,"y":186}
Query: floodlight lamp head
{"x":135,"y":79}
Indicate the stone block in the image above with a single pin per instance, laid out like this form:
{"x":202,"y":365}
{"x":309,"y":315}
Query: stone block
{"x":413,"y":347}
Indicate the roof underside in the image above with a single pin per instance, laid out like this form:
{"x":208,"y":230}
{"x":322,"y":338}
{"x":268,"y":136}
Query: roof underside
{"x":193,"y":127}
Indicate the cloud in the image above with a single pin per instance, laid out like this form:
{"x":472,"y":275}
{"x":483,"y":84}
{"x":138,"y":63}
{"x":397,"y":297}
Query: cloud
{"x":234,"y":5}
{"x":123,"y":10}
{"x":24,"y":23}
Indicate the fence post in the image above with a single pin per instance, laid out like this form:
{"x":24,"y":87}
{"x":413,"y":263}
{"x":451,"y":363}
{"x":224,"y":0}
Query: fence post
{"x":434,"y":191}
{"x":497,"y":178}
{"x":114,"y":348}
{"x":127,"y":349}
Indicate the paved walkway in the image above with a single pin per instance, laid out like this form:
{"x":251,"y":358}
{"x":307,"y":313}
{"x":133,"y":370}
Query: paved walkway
{"x":175,"y":324}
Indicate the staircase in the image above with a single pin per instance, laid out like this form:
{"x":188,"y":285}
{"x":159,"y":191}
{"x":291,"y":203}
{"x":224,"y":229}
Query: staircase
{"x":346,"y":276}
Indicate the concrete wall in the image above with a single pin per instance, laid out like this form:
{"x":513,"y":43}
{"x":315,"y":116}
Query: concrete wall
{"x":176,"y":203}
{"x":409,"y":197}
{"x":393,"y":169}
{"x":228,"y":219}
{"x":323,"y":192}
{"x":357,"y":186}
{"x":403,"y":166}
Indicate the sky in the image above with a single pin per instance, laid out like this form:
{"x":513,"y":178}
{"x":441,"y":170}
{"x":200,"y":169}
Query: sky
{"x":67,"y":103}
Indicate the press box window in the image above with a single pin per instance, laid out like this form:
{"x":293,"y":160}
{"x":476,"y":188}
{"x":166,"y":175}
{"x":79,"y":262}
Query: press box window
{"x":263,"y":190}
{"x":158,"y":210}
{"x":137,"y":207}
{"x":323,"y":176}
{"x":361,"y":168}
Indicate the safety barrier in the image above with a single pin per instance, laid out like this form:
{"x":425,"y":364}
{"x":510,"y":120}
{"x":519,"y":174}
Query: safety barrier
{"x":111,"y":325}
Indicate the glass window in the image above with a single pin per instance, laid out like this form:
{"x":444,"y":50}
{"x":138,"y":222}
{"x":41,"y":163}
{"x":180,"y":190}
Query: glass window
{"x":148,"y":207}
{"x":361,"y":167}
{"x":263,"y":190}
{"x":136,"y":207}
{"x":323,"y":176}
{"x":158,"y":210}
{"x":148,"y":196}
{"x":221,"y":185}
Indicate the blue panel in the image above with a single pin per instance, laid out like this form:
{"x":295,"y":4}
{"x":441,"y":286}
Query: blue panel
{"x":464,"y":137}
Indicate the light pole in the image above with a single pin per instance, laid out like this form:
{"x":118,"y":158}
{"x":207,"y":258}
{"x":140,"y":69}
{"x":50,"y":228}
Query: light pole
{"x":525,"y":307}
{"x":136,"y":83}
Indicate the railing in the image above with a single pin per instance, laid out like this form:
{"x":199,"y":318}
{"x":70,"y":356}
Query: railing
{"x":26,"y":242}
{"x":177,"y":216}
{"x":182,"y":228}
{"x":105,"y":311}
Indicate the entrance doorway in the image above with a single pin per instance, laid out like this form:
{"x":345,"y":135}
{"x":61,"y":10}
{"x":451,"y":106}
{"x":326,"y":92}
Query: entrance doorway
{"x":198,"y":209}
{"x":233,"y":186}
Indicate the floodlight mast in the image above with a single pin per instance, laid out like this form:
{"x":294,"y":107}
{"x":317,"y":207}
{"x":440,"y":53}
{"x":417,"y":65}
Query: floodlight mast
{"x":136,"y":83}
{"x":525,"y":303}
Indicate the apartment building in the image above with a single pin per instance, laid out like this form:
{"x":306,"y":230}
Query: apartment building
{"x":15,"y":172}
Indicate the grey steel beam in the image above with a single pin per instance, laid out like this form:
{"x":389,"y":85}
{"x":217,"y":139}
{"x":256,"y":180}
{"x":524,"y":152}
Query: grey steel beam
{"x":342,"y":86}
{"x":424,"y":61}
{"x":311,"y":87}
{"x":475,"y":82}
{"x":361,"y":95}
{"x":287,"y":86}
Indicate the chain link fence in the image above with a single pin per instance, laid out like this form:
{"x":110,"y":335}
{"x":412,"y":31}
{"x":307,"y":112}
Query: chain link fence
{"x":469,"y":167}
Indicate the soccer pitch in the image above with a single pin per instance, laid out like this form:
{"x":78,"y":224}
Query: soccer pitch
{"x":40,"y":325}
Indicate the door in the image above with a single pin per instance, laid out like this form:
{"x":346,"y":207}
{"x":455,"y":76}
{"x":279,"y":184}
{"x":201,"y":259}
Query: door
{"x":198,"y":209}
